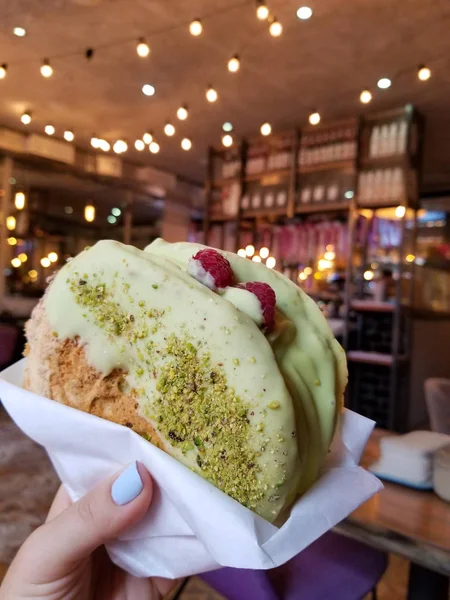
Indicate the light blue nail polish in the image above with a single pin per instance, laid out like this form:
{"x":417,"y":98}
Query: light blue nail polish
{"x":127,"y":486}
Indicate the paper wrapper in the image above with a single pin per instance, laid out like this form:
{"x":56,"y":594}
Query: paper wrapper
{"x":191,"y":526}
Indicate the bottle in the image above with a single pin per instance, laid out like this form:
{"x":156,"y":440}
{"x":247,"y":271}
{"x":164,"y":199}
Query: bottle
{"x":393,"y":134}
{"x":374,"y":146}
{"x":384,"y":140}
{"x":401,"y":139}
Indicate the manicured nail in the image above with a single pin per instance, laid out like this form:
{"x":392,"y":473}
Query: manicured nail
{"x":127,"y":486}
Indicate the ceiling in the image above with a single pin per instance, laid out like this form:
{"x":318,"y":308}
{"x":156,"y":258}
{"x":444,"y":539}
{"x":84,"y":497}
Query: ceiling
{"x":322,"y":63}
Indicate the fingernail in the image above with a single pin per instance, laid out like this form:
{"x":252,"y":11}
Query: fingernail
{"x":127,"y":486}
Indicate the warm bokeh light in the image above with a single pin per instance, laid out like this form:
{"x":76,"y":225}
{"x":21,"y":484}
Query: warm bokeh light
{"x":20,"y":31}
{"x":227,"y":140}
{"x":69,"y":136}
{"x":104,"y":145}
{"x":186,"y":144}
{"x":139,"y":145}
{"x":147,"y":137}
{"x":169,"y":129}
{"x":317,"y":275}
{"x":26,"y":118}
{"x":368,"y":275}
{"x":275,"y":28}
{"x":250,"y":250}
{"x":242,"y":252}
{"x":12,"y":241}
{"x":22,"y":257}
{"x":384,"y":83}
{"x":120,"y":147}
{"x":3,"y":70}
{"x":148,"y":90}
{"x":227,"y":126}
{"x":211,"y":94}
{"x":424,"y":73}
{"x":234,"y":64}
{"x":182,"y":113}
{"x":53,"y":256}
{"x":302,"y":276}
{"x":11,"y":223}
{"x":196,"y":28}
{"x":46,"y":69}
{"x":49,"y":129}
{"x":264,"y":252}
{"x":19,"y":200}
{"x":324,"y":264}
{"x":410,"y":258}
{"x":266,"y":129}
{"x":33,"y":274}
{"x":154,"y":147}
{"x":308,"y":270}
{"x":400,"y":212}
{"x":89,"y":213}
{"x":330,"y":255}
{"x":314,"y":118}
{"x":262,"y":12}
{"x":271,"y":262}
{"x":256,"y":258}
{"x":365,"y":96}
{"x":45,"y":262}
{"x":95,"y":142}
{"x":142,"y":48}
{"x":16,"y":262}
{"x":304,"y":13}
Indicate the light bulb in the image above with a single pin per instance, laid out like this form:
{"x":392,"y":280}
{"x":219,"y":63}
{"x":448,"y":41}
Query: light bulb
{"x":49,"y":129}
{"x":69,"y":136}
{"x":250,"y":250}
{"x":89,"y":213}
{"x":400,"y":212}
{"x":271,"y":262}
{"x":19,"y":200}
{"x":19,"y":31}
{"x":16,"y":262}
{"x":234,"y":64}
{"x":275,"y":28}
{"x":182,"y":113}
{"x":142,"y":48}
{"x":46,"y":69}
{"x":227,"y":126}
{"x":116,"y":212}
{"x":368,"y":275}
{"x":147,"y":137}
{"x":148,"y":90}
{"x":264,"y":252}
{"x":3,"y":70}
{"x":53,"y":256}
{"x":227,"y":140}
{"x":139,"y":145}
{"x":11,"y":223}
{"x":196,"y":28}
{"x":314,"y":118}
{"x":241,"y":252}
{"x":423,"y":73}
{"x":154,"y":147}
{"x":365,"y":96}
{"x":169,"y":129}
{"x":104,"y":145}
{"x":266,"y":129}
{"x":45,"y":262}
{"x":12,"y":241}
{"x":111,"y":219}
{"x":262,"y":12}
{"x":26,"y":118}
{"x":120,"y":147}
{"x":211,"y":94}
{"x":186,"y":144}
{"x":256,"y":258}
{"x":384,"y":83}
{"x":304,"y":13}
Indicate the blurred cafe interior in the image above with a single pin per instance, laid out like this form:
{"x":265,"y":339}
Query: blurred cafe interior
{"x":312,"y":136}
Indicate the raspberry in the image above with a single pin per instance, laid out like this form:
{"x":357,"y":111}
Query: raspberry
{"x":267,"y":299}
{"x":211,"y":268}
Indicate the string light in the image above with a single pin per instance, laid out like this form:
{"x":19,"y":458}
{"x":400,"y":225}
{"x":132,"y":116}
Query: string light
{"x":116,"y":212}
{"x":250,"y":250}
{"x":46,"y":69}
{"x":227,"y":140}
{"x":53,"y":256}
{"x":104,"y":145}
{"x":11,"y":223}
{"x":234,"y":64}
{"x":49,"y":129}
{"x":120,"y":147}
{"x":262,"y":12}
{"x":147,"y":137}
{"x":154,"y":147}
{"x":12,"y":241}
{"x":384,"y":83}
{"x":182,"y":113}
{"x":264,"y":252}
{"x":26,"y":118}
{"x":196,"y":28}
{"x":271,"y":262}
{"x":169,"y":129}
{"x":69,"y":136}
{"x":400,"y":212}
{"x":139,"y":145}
{"x":423,"y":73}
{"x":227,"y":126}
{"x":142,"y":48}
{"x":275,"y":28}
{"x":211,"y":94}
{"x":45,"y":262}
{"x":314,"y":118}
{"x":19,"y":200}
{"x":148,"y":90}
{"x":256,"y":258}
{"x":89,"y":213}
{"x":266,"y":129}
{"x":19,"y":31}
{"x":186,"y":144}
{"x":241,"y":252}
{"x":3,"y":70}
{"x":304,"y":13}
{"x":16,"y":262}
{"x":365,"y":96}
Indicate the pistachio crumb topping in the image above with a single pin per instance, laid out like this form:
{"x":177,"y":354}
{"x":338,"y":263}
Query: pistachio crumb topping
{"x":273,"y":405}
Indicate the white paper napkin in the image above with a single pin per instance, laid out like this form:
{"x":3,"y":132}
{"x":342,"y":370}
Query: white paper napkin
{"x":191,"y":526}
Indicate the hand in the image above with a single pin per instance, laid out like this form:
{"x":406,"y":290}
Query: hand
{"x":65,"y":559}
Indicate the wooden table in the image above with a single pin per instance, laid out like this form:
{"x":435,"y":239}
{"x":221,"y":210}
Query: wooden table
{"x":413,"y":524}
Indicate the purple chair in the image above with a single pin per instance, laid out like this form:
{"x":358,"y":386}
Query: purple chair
{"x":333,"y":567}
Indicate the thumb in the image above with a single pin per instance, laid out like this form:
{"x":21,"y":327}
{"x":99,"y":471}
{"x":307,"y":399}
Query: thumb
{"x":100,"y":516}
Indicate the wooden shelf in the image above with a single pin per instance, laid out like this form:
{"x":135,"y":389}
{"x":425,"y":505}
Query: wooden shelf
{"x":273,"y":212}
{"x":329,"y":166}
{"x":222,"y":218}
{"x":320,"y":207}
{"x":391,"y":160}
{"x":373,"y":358}
{"x":274,"y":173}
{"x":371,"y":306}
{"x":223,"y":182}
